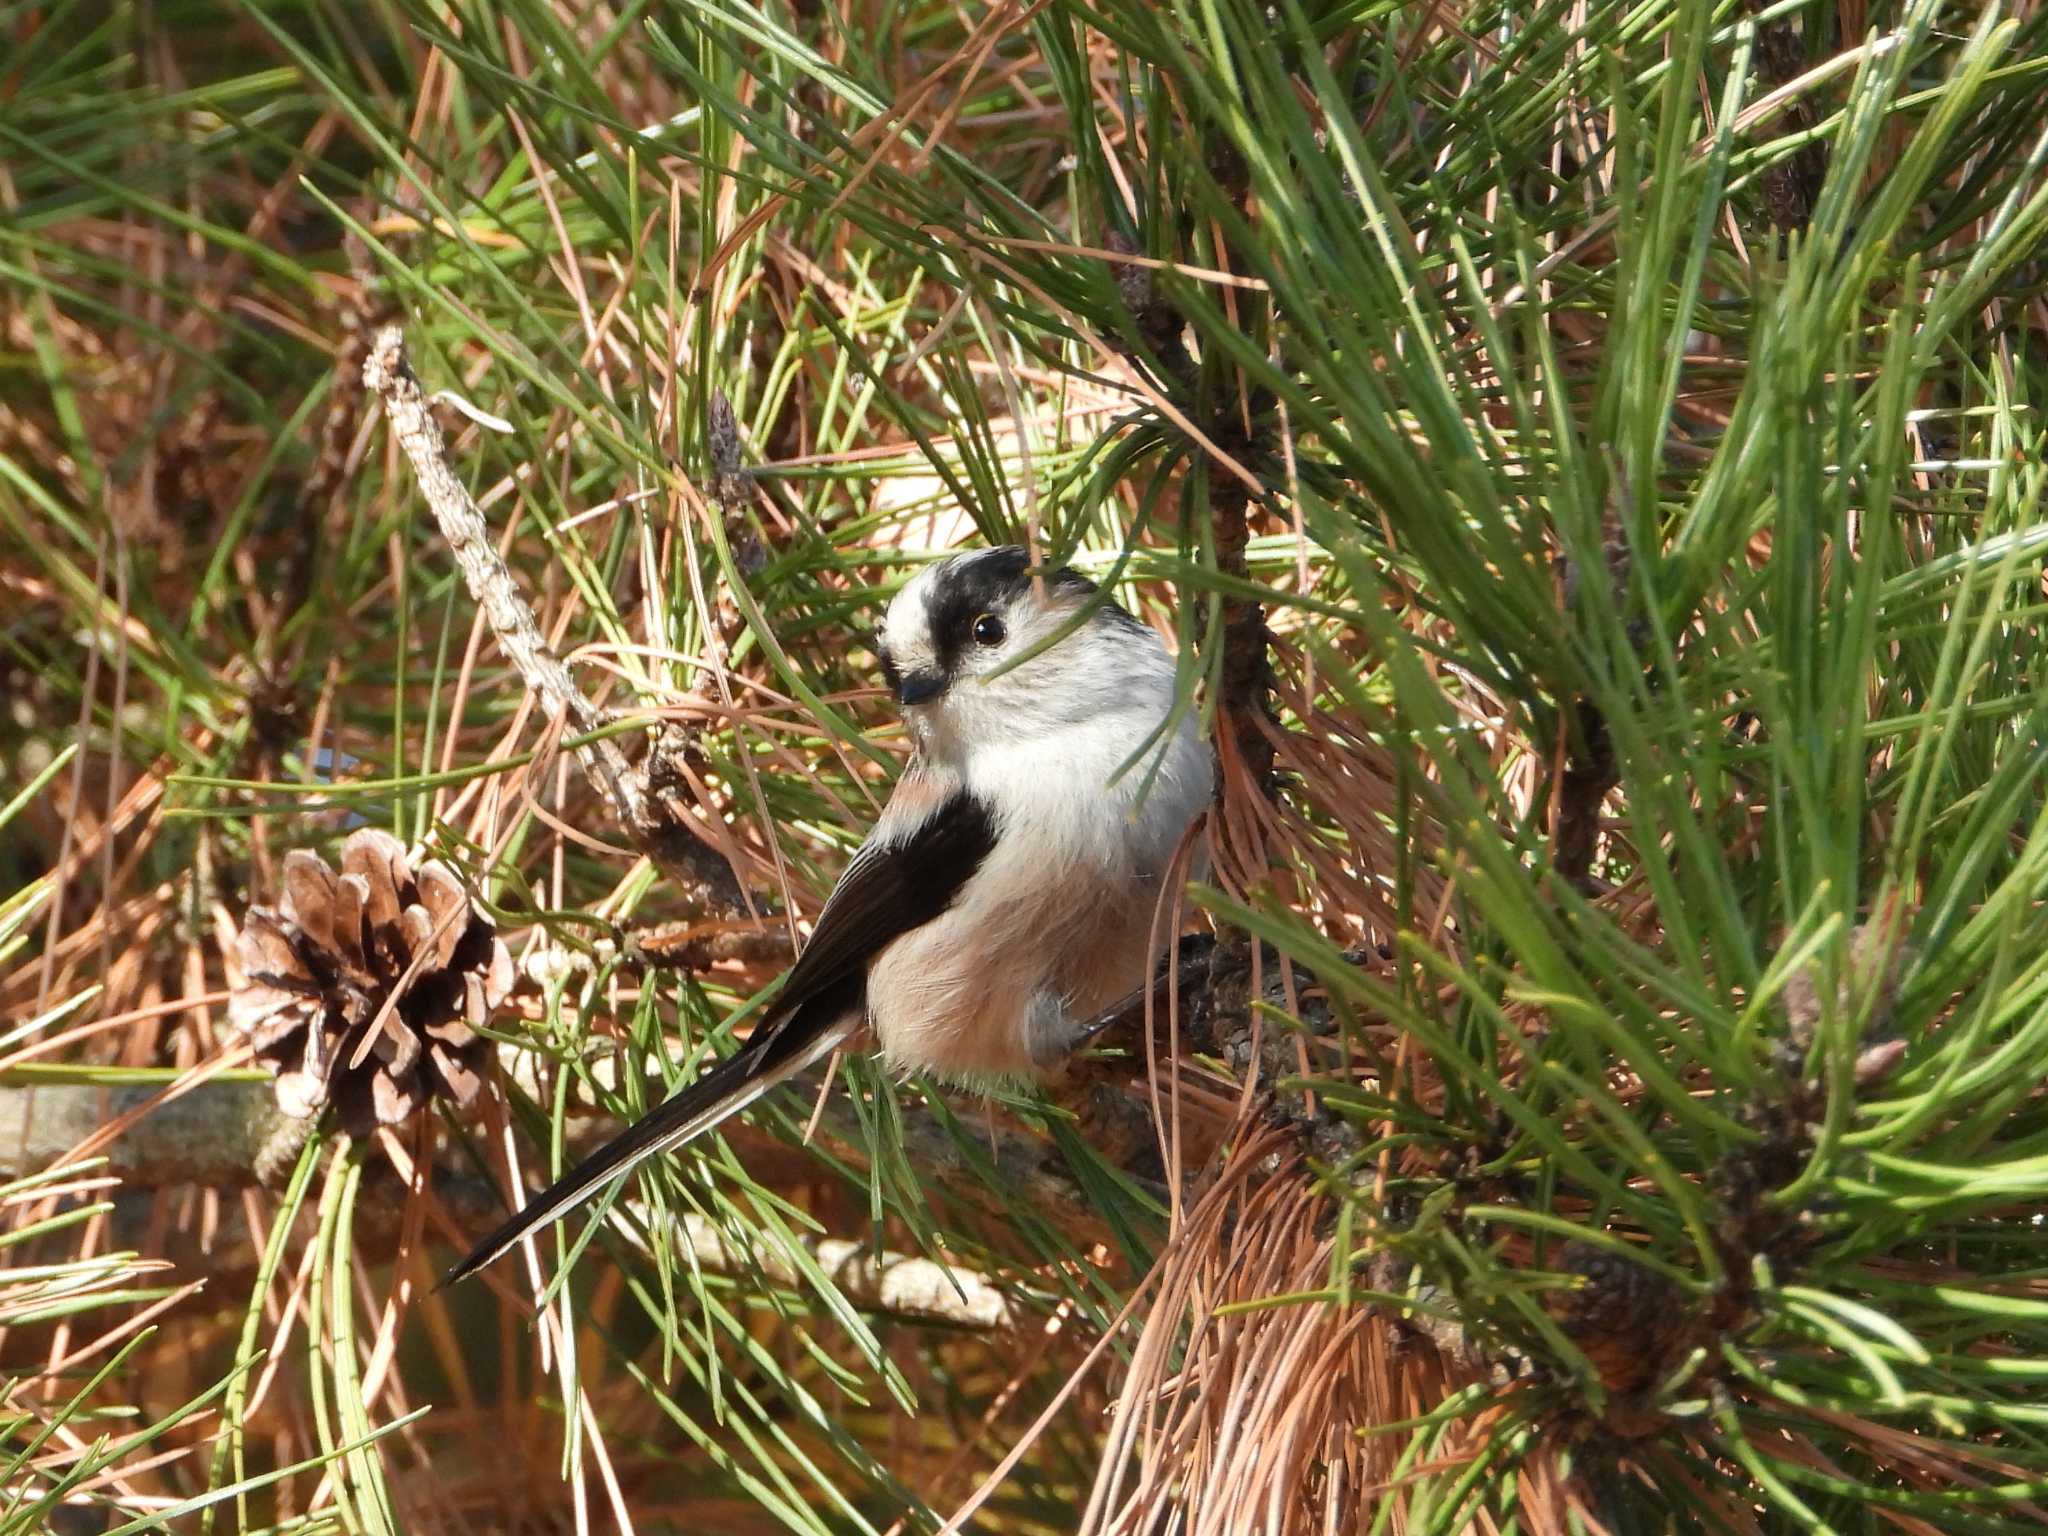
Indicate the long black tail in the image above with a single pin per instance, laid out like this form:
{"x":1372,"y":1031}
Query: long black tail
{"x":773,"y":1055}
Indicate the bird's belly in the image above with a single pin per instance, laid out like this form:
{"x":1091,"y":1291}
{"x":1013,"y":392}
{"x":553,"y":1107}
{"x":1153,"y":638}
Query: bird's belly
{"x":971,"y":996}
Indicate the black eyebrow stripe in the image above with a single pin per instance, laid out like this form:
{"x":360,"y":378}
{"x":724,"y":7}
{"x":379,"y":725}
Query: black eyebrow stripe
{"x":991,"y":581}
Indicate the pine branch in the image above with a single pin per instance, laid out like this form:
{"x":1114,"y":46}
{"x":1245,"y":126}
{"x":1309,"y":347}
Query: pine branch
{"x":223,"y":1135}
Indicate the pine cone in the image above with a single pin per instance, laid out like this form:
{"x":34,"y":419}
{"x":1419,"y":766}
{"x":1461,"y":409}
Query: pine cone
{"x":1622,"y":1315}
{"x":318,"y":974}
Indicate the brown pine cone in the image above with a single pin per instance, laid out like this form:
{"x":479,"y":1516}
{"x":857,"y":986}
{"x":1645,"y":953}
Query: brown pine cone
{"x":318,"y":974}
{"x":1622,"y":1315}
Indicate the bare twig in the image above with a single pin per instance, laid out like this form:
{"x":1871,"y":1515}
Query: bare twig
{"x":652,"y":821}
{"x":691,"y":946}
{"x":899,"y":1284}
{"x":222,"y":1135}
{"x":389,"y":375}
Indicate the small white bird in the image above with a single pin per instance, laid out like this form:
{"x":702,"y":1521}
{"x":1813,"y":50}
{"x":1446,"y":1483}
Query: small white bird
{"x":1007,"y":894}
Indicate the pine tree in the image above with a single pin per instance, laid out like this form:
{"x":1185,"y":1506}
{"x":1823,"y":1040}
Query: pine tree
{"x":1586,"y":460}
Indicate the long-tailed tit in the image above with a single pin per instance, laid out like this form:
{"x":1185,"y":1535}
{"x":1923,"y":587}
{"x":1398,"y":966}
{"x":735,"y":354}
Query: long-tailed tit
{"x":1008,"y":893}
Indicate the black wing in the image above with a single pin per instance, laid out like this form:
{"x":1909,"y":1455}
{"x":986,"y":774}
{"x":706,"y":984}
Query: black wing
{"x":889,"y":888}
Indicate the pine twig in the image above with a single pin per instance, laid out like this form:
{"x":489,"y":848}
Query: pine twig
{"x":656,"y":826}
{"x":1590,"y":771}
{"x":1246,"y":682}
{"x":921,"y":1290}
{"x":222,"y":1134}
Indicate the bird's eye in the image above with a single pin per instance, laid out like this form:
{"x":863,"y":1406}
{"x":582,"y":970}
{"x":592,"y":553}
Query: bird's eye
{"x":988,"y":630}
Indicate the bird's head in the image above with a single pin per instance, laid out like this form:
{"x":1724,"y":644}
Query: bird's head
{"x":950,"y":643}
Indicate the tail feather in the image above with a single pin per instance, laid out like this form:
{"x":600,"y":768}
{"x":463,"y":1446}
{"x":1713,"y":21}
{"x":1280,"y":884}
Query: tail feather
{"x":771,"y":1057}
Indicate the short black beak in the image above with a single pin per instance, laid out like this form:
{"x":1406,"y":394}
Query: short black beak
{"x":921,"y":686}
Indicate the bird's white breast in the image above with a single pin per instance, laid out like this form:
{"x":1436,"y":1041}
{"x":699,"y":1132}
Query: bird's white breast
{"x":1060,"y":919}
